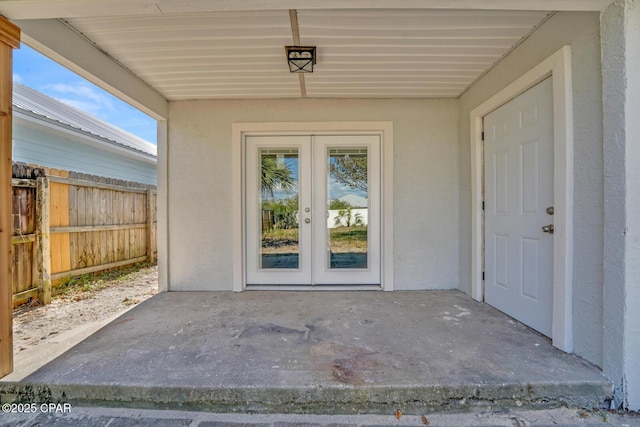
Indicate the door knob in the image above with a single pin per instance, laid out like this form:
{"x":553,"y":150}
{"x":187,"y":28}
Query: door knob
{"x":548,"y":228}
{"x":307,"y":220}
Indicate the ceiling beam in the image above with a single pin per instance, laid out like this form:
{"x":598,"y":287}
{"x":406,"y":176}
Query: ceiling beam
{"x":56,"y":40}
{"x":44,"y":9}
{"x":295,"y":31}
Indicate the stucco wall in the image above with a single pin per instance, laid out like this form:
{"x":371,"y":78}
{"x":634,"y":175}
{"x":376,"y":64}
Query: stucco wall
{"x":620,"y":24}
{"x":582,"y":32}
{"x":425,"y":199}
{"x":633,"y":223}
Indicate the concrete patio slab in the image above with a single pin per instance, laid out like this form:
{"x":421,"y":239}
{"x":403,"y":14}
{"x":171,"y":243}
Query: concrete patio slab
{"x":30,"y":360}
{"x":315,"y":352}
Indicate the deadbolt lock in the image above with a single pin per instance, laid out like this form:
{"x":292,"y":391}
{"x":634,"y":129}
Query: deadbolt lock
{"x":550,"y":210}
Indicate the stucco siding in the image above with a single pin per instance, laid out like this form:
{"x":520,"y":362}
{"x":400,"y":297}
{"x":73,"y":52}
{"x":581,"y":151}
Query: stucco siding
{"x":632,"y":321}
{"x":51,"y":150}
{"x":582,"y":32}
{"x":425,"y":196}
{"x":621,"y":63}
{"x":588,"y":190}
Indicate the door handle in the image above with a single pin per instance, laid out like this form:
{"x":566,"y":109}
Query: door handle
{"x":548,"y":228}
{"x":307,"y":220}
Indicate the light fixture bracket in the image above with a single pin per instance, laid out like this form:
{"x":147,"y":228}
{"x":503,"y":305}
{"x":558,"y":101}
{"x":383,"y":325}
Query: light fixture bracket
{"x":301,"y":59}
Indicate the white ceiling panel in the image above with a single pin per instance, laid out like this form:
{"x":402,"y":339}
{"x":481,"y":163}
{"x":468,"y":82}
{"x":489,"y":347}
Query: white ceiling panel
{"x":200,"y":56}
{"x":362,"y":53}
{"x":418,"y":53}
{"x":48,"y":9}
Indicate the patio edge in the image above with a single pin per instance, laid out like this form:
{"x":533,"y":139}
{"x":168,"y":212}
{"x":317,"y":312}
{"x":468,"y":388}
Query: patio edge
{"x":316,"y":399}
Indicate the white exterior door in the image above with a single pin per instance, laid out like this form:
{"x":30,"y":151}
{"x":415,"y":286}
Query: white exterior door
{"x":518,"y":164}
{"x":313,"y":212}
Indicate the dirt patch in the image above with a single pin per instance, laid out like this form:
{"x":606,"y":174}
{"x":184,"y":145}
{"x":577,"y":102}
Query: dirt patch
{"x":91,"y":299}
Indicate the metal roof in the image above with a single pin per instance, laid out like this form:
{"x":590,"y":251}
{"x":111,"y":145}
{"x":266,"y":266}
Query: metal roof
{"x":30,"y":100}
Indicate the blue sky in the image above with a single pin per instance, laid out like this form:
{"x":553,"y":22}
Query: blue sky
{"x":35,"y":70}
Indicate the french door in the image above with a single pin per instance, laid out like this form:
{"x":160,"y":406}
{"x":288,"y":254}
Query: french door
{"x":312,"y":210}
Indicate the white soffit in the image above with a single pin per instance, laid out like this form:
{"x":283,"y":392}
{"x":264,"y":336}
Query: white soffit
{"x":201,"y":56}
{"x":378,"y":53}
{"x":407,"y":53}
{"x":47,"y":9}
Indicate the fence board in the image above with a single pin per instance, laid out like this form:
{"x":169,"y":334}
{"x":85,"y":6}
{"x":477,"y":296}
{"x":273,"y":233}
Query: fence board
{"x":73,"y":221}
{"x":65,"y":214}
{"x":108,"y":235}
{"x":102,"y":243}
{"x":23,"y":215}
{"x":23,"y":261}
{"x":54,"y":218}
{"x":139,"y":217}
{"x":125,"y":213}
{"x":23,"y":211}
{"x":95,"y":220}
{"x":80,"y":260}
{"x":154,"y":237}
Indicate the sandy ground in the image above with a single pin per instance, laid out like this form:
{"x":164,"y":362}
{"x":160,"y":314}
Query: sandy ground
{"x":97,"y":300}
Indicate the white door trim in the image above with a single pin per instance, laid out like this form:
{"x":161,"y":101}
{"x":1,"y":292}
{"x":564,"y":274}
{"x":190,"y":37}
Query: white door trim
{"x":558,"y":66}
{"x":383,"y":129}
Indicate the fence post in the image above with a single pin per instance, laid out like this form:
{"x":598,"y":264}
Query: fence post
{"x":43,"y":240}
{"x":149,"y":221}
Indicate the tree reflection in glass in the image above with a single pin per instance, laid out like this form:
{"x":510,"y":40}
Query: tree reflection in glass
{"x":347,"y":230}
{"x":279,"y":208}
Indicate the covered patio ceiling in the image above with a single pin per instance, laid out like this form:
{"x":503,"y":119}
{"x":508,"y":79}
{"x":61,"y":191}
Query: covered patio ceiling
{"x":148,"y":52}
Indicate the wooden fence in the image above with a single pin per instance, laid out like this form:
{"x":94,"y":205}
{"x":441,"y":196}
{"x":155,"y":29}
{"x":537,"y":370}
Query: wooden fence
{"x":68,"y":224}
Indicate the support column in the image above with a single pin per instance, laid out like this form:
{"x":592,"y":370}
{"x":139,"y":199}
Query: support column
{"x":620,"y":35}
{"x":162,"y":200}
{"x":9,"y":40}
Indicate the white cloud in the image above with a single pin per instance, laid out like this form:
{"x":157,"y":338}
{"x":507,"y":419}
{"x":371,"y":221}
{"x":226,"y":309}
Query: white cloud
{"x":84,"y":92}
{"x":86,"y":106}
{"x":338,"y":190}
{"x":17,"y":78}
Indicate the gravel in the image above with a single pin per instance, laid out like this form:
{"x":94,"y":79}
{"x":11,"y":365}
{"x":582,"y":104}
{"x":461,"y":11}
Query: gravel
{"x":95,"y":298}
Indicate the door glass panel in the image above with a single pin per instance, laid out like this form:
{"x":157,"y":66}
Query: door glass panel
{"x":348,"y":207}
{"x":279,"y":191}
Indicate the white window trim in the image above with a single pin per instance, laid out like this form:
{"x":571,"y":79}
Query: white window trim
{"x":558,"y":66}
{"x":384,"y":129}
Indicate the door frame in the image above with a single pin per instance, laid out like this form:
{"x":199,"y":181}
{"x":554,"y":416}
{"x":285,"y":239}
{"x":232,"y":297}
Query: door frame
{"x":383,"y":129}
{"x":558,"y":67}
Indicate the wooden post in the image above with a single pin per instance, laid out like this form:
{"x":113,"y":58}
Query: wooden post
{"x":9,"y":39}
{"x":149,"y":221}
{"x":43,"y":240}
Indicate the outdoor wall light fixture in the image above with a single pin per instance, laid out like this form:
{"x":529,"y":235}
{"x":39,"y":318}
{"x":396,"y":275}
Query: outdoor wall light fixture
{"x":301,"y":59}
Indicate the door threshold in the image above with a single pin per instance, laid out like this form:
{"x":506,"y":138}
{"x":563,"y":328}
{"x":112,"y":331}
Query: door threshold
{"x":313,"y":288}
